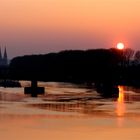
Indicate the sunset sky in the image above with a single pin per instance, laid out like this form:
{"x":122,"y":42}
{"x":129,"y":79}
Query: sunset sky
{"x":42,"y":26}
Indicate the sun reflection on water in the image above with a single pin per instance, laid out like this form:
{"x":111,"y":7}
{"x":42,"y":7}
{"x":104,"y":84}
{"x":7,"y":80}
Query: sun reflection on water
{"x":120,"y":108}
{"x":120,"y":102}
{"x":121,"y":94}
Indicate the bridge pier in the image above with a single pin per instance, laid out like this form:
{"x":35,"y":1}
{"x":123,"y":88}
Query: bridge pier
{"x":34,"y":90}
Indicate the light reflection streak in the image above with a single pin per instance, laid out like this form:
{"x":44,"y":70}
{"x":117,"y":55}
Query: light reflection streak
{"x":120,"y":107}
{"x":120,"y":102}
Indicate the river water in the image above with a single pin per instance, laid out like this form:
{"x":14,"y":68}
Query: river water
{"x":69,"y":112}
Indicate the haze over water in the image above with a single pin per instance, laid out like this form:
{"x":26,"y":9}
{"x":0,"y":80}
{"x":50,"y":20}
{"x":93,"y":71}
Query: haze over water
{"x":68,"y":111}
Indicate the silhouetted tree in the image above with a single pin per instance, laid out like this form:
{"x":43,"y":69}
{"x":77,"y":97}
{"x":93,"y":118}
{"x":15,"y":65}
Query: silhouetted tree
{"x":137,"y":57}
{"x":128,"y":55}
{"x":101,"y":66}
{"x":74,"y":66}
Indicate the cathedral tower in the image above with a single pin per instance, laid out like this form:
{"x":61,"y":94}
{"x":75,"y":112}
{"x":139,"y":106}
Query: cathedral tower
{"x":0,"y":54}
{"x":4,"y":59}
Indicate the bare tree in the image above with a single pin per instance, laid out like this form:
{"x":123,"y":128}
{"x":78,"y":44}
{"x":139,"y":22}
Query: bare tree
{"x":137,"y":57}
{"x":128,"y":55}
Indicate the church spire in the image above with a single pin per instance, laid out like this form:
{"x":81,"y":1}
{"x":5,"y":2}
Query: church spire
{"x":0,"y":54}
{"x":5,"y":59}
{"x":5,"y":54}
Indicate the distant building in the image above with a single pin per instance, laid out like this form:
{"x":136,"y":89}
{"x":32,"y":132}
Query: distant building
{"x":4,"y":58}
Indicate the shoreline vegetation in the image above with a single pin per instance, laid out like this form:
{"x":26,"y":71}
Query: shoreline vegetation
{"x":9,"y":83}
{"x":106,"y":68}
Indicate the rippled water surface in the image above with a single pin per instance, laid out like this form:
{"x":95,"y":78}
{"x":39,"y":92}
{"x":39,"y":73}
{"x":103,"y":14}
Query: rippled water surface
{"x":69,"y":112}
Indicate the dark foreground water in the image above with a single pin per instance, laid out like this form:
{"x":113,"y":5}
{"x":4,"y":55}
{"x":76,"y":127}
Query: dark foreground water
{"x":69,"y":112}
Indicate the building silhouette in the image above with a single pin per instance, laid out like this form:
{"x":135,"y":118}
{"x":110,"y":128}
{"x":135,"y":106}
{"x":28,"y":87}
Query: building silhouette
{"x":4,"y":58}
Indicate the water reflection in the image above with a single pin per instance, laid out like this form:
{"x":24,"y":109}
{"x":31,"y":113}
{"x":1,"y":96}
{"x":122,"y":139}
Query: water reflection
{"x":107,"y":90}
{"x":70,"y":99}
{"x":120,"y":109}
{"x":11,"y":94}
{"x":87,"y":108}
{"x":120,"y":102}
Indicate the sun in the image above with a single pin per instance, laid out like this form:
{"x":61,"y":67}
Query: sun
{"x":120,"y":46}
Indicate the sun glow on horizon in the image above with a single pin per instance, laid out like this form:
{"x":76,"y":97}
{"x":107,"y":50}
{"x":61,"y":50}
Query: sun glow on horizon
{"x":120,"y":46}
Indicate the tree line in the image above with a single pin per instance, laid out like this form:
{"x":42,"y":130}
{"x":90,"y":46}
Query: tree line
{"x":79,"y":66}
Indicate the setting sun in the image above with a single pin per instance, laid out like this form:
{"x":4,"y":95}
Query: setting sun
{"x":120,"y":46}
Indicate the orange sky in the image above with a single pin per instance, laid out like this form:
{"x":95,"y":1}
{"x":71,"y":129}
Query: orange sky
{"x":41,"y":26}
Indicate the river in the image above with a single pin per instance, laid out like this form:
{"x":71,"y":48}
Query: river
{"x":69,"y":112}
